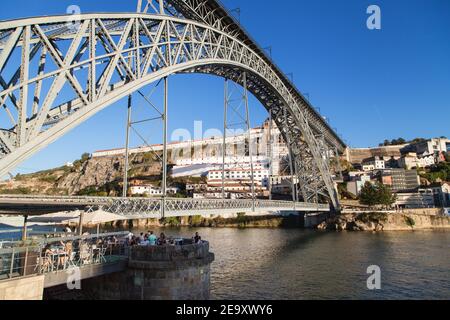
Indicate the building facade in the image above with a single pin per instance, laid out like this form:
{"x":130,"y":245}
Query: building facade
{"x":400,"y":180}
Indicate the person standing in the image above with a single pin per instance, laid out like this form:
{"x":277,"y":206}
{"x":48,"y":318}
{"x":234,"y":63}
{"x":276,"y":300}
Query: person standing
{"x":152,"y":239}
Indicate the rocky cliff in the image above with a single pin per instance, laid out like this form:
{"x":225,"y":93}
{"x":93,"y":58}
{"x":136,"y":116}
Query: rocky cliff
{"x":102,"y":175}
{"x":405,"y":221}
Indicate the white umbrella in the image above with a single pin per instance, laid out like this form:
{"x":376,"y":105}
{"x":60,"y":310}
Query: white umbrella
{"x":95,"y":217}
{"x":56,"y":218}
{"x":99,"y":217}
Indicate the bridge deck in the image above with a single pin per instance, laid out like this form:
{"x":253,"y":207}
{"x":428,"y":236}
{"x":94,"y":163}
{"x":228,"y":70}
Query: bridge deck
{"x":135,"y":208}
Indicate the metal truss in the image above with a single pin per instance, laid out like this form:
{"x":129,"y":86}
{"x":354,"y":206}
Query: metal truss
{"x":108,"y":56}
{"x":144,"y":208}
{"x":152,"y":208}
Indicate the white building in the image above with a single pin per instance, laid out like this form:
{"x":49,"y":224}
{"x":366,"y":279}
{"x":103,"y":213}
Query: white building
{"x":374,"y":163}
{"x":431,"y":146}
{"x":239,"y":179}
{"x":412,"y":161}
{"x":147,"y":190}
{"x":355,"y":186}
{"x":426,"y":161}
{"x":209,"y":150}
{"x":409,"y":161}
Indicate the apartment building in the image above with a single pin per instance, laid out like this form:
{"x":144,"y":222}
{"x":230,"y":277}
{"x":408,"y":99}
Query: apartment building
{"x":400,"y":180}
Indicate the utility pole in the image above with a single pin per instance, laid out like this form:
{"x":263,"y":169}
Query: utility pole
{"x":291,"y":169}
{"x":270,"y":153}
{"x":224,"y":145}
{"x":165,"y":138}
{"x":25,"y":228}
{"x":127,"y":150}
{"x":249,"y":137}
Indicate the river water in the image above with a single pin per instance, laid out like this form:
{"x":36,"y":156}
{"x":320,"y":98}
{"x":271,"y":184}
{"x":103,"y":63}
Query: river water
{"x":302,"y":264}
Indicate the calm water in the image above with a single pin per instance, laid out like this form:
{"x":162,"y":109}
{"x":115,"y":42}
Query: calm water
{"x":301,"y":264}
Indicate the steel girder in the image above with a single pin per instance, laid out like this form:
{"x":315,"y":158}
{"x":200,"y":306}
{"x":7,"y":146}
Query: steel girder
{"x":107,"y":56}
{"x":213,"y":13}
{"x":144,"y":208}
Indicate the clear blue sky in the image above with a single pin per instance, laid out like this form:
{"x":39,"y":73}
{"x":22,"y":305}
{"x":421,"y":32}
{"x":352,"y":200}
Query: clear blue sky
{"x":372,"y":85}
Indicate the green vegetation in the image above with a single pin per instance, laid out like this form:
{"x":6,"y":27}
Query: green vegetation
{"x":447,"y":156}
{"x":196,"y":220}
{"x":377,"y":194}
{"x":394,"y":142}
{"x":342,"y":190}
{"x":19,"y":190}
{"x":79,"y":163}
{"x":241,"y":217}
{"x":410,"y":221}
{"x":438,"y":173}
{"x":112,"y":188}
{"x":172,"y":221}
{"x":49,"y":179}
{"x":400,"y":141}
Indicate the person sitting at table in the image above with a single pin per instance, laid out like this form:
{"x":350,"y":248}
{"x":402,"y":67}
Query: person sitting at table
{"x":197,"y":239}
{"x":152,"y":239}
{"x":84,"y":253}
{"x":162,"y":240}
{"x":144,"y":242}
{"x":113,"y":240}
{"x":46,"y":259}
{"x":65,"y":253}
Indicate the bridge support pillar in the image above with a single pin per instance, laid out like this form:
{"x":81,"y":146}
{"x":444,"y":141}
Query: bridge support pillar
{"x":158,"y":273}
{"x":24,"y":229}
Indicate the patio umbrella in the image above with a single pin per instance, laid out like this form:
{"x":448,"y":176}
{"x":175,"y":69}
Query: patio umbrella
{"x":56,"y":218}
{"x":99,"y":217}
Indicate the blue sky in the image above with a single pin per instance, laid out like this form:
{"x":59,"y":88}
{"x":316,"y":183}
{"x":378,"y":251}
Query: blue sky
{"x":372,"y":85}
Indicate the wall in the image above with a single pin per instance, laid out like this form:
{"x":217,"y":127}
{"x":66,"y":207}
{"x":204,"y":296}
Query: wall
{"x":31,"y":288}
{"x":158,"y":273}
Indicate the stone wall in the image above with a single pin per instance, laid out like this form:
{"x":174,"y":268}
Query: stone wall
{"x":379,"y":221}
{"x":158,"y":273}
{"x":30,"y":288}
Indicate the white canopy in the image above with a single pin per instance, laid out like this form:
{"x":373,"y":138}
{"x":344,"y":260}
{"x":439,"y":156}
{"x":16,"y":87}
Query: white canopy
{"x":57,"y":218}
{"x":94,"y":217}
{"x":99,"y":217}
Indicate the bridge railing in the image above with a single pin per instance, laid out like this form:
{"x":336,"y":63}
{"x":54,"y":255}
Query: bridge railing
{"x":153,"y":207}
{"x":59,"y":255}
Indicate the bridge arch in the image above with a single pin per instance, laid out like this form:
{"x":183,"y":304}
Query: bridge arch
{"x":135,"y":50}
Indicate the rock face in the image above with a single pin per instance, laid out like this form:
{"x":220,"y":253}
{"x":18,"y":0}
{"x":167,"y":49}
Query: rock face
{"x":376,"y":222}
{"x":95,"y":172}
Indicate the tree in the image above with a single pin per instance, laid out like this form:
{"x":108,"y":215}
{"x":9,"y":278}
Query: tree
{"x":447,"y":156}
{"x":385,"y":195}
{"x":377,"y":194}
{"x":368,"y":195}
{"x":85,"y":157}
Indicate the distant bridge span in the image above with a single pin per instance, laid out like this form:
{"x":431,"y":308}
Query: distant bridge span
{"x":105,"y":57}
{"x":147,"y":208}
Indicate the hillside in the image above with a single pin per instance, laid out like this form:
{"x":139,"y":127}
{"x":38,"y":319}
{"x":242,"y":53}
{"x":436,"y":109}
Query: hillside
{"x":96,"y":176}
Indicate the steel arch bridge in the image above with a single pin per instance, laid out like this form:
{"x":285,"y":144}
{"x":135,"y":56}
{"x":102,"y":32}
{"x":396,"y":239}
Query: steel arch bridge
{"x":102,"y":58}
